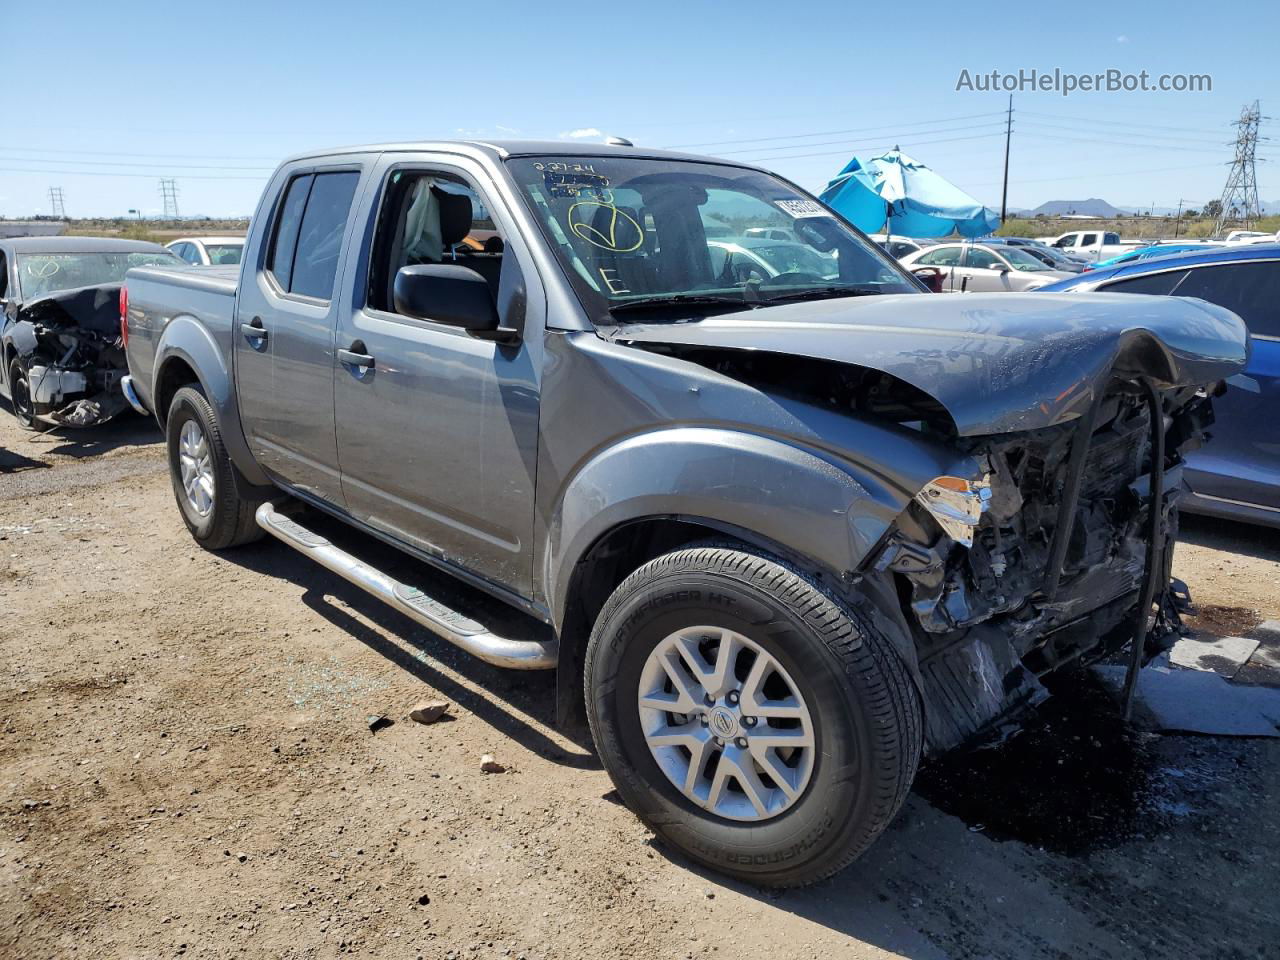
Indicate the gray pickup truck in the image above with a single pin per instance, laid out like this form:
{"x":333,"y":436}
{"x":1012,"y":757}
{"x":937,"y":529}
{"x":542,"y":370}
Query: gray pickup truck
{"x":793,"y":521}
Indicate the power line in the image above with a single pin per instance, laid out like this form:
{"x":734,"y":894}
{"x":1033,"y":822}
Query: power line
{"x":854,"y":143}
{"x":132,"y":153}
{"x":889,"y":130}
{"x":1111,"y":123}
{"x":882,"y":143}
{"x":119,"y":163}
{"x":1176,"y":138}
{"x":101,"y":173}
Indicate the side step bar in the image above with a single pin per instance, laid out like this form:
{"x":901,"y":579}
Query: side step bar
{"x":459,"y":630}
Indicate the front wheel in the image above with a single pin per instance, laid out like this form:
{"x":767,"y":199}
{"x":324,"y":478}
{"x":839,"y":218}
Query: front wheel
{"x":20,"y":396}
{"x":204,"y":478}
{"x":749,"y":719}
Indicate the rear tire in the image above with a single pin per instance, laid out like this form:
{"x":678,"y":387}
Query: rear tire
{"x":794,"y":820}
{"x":204,"y":478}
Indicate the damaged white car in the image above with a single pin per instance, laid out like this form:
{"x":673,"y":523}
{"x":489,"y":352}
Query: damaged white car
{"x":63,"y":353}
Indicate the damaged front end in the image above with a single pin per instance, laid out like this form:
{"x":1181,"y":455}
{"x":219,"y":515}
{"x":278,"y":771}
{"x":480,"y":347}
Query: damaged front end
{"x":71,"y":354}
{"x":1042,"y":561}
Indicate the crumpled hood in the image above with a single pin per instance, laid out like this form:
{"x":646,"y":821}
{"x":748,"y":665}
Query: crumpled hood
{"x":95,"y":308}
{"x":998,"y":362}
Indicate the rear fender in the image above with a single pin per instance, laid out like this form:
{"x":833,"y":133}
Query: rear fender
{"x":187,"y":340}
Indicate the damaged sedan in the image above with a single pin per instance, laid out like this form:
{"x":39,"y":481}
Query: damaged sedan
{"x":61,"y":341}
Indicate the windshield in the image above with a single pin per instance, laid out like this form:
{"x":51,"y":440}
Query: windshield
{"x":224,"y":252}
{"x":44,"y":273}
{"x":1019,"y":259}
{"x":633,"y":231}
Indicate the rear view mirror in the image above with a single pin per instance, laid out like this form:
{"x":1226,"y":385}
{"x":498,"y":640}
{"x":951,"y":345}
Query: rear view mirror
{"x":446,"y":293}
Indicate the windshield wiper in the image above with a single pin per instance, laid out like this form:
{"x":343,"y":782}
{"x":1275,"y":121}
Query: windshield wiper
{"x":682,"y":300}
{"x":823,"y":293}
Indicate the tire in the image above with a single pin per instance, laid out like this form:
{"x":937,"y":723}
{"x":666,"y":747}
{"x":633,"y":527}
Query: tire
{"x":20,"y":398}
{"x":228,"y":520}
{"x":863,"y":709}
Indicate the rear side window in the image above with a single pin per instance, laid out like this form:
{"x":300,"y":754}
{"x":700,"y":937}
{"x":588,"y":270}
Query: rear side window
{"x":941,"y":257}
{"x":1155,"y":283}
{"x":315,"y":261}
{"x":308,"y":237}
{"x":1251,"y":290}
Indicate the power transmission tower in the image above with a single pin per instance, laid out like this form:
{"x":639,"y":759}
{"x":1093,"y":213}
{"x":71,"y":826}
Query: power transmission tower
{"x":55,"y":201}
{"x":169,"y":193}
{"x":1240,"y":195}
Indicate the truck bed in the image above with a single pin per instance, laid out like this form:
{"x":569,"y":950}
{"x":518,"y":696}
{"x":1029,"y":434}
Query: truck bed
{"x":206,"y":293}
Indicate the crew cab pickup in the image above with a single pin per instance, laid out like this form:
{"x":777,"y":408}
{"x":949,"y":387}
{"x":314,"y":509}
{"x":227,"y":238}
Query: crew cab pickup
{"x":786,"y":530}
{"x":1092,"y":244}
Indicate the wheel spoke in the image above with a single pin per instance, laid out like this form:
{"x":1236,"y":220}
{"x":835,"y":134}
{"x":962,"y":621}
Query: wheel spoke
{"x":697,"y":763}
{"x":784,"y":776}
{"x":767,"y":737}
{"x":722,"y":679}
{"x":690,"y":735}
{"x":737,"y":763}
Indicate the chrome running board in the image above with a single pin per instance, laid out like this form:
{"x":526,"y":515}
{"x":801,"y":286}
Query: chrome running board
{"x":461,"y":631}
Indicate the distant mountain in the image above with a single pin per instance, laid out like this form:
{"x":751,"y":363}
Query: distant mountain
{"x":1093,"y":207}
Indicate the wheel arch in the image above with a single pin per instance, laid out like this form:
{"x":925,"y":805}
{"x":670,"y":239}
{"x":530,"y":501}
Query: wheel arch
{"x":188,"y":353}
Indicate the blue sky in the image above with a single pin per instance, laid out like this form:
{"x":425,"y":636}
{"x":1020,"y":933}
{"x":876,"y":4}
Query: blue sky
{"x":103,"y":99}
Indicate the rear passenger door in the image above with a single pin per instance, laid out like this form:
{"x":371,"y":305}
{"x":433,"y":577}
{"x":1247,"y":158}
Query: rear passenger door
{"x":289,"y":299}
{"x":438,"y":429}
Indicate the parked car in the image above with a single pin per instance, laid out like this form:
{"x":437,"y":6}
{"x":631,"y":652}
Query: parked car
{"x":746,"y":259}
{"x":783,"y":535}
{"x":208,"y":251}
{"x":899,"y":247}
{"x":1238,"y":475}
{"x":1092,"y":245}
{"x":984,"y":268}
{"x":1049,"y":256}
{"x":60,"y":330}
{"x":1249,"y":236}
{"x":1146,"y":253}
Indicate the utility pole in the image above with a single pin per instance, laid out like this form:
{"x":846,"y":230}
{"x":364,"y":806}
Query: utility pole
{"x":55,"y":201}
{"x":169,"y":194}
{"x":1177,"y":224}
{"x":1008,"y":134}
{"x":1240,"y":195}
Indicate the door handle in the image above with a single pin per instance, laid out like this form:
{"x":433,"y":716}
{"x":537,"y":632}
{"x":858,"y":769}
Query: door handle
{"x":254,"y":329}
{"x":355,"y":356}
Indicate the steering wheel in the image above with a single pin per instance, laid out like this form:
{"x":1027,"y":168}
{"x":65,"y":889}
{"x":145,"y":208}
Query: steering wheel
{"x":794,"y":276}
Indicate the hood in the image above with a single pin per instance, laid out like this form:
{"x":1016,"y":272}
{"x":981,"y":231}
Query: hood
{"x":999,"y":362}
{"x":94,"y":308}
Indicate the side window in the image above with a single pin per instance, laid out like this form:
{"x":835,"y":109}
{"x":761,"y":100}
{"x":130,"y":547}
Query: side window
{"x":1111,"y":238}
{"x":1155,"y":283}
{"x":4,"y":277}
{"x":315,"y":261}
{"x":982,"y":259}
{"x":941,"y":257}
{"x":285,"y":241}
{"x":432,"y":217}
{"x":1250,"y":289}
{"x":1067,"y":241}
{"x":190,"y":253}
{"x":1089,"y":239}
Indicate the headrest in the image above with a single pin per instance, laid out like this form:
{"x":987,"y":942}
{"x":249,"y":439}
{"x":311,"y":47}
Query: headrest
{"x":455,"y":216}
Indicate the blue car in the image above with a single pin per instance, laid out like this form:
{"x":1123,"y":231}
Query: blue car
{"x":1237,"y":475}
{"x":1147,"y":253}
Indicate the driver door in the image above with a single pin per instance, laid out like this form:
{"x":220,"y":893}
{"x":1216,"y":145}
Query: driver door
{"x":987,"y":273}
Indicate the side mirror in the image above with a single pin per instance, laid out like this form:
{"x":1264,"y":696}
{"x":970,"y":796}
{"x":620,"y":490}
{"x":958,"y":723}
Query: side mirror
{"x":447,"y":293}
{"x":1002,"y":269}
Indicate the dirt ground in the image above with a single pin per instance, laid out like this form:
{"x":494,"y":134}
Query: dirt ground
{"x":186,"y":770}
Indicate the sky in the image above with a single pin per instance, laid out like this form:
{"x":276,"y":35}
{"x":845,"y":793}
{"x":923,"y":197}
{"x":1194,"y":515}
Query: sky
{"x":105,"y":99}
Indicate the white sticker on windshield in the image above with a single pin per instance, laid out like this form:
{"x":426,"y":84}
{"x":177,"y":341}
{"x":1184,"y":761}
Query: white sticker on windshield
{"x":796,"y":209}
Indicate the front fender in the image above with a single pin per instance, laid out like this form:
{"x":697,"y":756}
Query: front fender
{"x":830,"y":512}
{"x":185,"y":339}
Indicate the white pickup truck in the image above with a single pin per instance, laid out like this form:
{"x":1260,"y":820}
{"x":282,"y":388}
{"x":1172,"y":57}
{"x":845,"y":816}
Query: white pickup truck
{"x":1092,"y":244}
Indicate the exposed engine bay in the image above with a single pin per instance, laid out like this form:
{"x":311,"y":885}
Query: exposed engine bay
{"x":69,"y":348}
{"x":1050,"y":571}
{"x":1056,"y":567}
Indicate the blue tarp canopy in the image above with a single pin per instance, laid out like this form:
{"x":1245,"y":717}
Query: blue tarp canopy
{"x":916,"y":200}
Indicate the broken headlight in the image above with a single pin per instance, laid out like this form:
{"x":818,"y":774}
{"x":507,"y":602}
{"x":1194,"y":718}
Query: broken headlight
{"x":957,"y":504}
